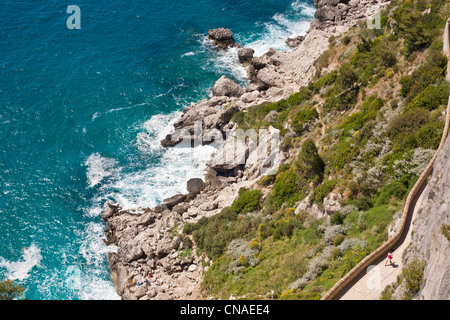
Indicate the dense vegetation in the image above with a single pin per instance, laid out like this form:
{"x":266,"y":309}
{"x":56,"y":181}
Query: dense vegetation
{"x":9,"y":290}
{"x":363,"y":132}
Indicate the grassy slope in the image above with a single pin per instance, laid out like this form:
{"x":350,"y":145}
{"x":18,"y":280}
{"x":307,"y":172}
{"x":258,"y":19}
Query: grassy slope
{"x":364,"y":128}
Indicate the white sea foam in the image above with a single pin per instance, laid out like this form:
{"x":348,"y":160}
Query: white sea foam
{"x":98,"y":168}
{"x":293,"y":23}
{"x":20,"y":270}
{"x":223,"y":61}
{"x":96,"y":288}
{"x":149,"y":186}
{"x":176,"y":165}
{"x":190,"y":53}
{"x":91,"y":283}
{"x":156,"y":129}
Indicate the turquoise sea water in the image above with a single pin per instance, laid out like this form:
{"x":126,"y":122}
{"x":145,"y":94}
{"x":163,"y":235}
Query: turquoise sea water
{"x":81,"y":116}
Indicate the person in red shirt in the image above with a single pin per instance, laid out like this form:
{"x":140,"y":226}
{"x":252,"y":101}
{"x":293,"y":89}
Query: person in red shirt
{"x":389,"y":258}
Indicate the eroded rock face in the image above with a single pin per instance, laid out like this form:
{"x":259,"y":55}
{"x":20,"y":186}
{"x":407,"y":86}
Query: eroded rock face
{"x":343,"y":12}
{"x":154,"y":259}
{"x":295,"y":42}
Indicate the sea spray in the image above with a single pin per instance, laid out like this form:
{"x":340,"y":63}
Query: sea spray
{"x":20,"y":270}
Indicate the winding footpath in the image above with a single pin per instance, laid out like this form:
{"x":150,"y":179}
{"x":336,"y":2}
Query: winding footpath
{"x":368,"y":278}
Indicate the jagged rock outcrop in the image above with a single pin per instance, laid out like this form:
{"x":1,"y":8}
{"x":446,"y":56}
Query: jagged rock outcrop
{"x":205,"y":116}
{"x":154,"y":259}
{"x":245,"y":55}
{"x":343,"y":12}
{"x":295,"y":42}
{"x":221,"y":37}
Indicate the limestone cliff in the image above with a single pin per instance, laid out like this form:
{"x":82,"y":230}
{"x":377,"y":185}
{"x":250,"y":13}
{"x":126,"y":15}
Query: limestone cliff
{"x":428,"y":242}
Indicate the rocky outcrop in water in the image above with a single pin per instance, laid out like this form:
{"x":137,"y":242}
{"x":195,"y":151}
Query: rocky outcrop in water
{"x":221,"y":37}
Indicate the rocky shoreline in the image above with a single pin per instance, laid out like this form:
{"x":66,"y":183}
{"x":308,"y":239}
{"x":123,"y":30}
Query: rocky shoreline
{"x":153,"y":259}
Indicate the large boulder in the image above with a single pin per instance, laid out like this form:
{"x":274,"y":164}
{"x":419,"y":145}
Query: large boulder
{"x":195,"y":185}
{"x":221,"y":37}
{"x":295,"y":42}
{"x":259,"y":62}
{"x":245,"y":55}
{"x":270,"y":77}
{"x":227,"y":87}
{"x":173,"y":201}
{"x":332,"y":203}
{"x":326,"y":13}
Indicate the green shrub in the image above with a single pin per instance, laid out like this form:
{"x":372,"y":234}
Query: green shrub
{"x":347,"y":76}
{"x":429,"y":135}
{"x":363,"y":203}
{"x":247,"y":201}
{"x":344,"y":100}
{"x":323,"y":190}
{"x":415,"y":128}
{"x":394,"y":189}
{"x":346,"y":40}
{"x":405,"y":125}
{"x":10,"y":291}
{"x":341,"y":154}
{"x":364,"y":46}
{"x":285,"y":225}
{"x":286,"y":144}
{"x":371,"y":104}
{"x":430,"y":72}
{"x":292,"y":183}
{"x":431,"y":98}
{"x":352,"y":257}
{"x":325,"y":81}
{"x":287,"y":187}
{"x":267,"y":180}
{"x":387,"y":292}
{"x":302,"y":116}
{"x":322,"y":61}
{"x":212,"y":235}
{"x":411,"y":27}
{"x":310,"y":164}
{"x":445,"y":230}
{"x":412,"y":275}
{"x":337,"y":218}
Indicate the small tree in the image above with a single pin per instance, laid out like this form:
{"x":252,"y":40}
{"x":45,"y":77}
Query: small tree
{"x":347,"y":76}
{"x":10,"y":291}
{"x":310,"y":164}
